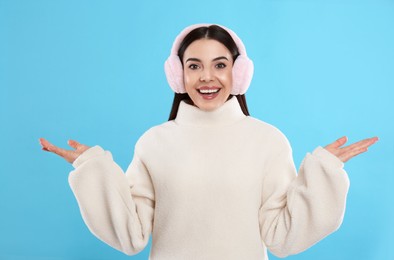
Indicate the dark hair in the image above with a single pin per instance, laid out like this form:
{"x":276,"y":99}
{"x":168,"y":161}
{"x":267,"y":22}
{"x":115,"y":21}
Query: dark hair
{"x":213,"y":32}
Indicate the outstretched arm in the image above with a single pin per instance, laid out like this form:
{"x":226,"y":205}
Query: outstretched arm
{"x":118,"y":209}
{"x":299,"y":210}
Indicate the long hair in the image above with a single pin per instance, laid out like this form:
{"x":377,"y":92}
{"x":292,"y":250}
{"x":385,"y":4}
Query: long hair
{"x":213,"y":32}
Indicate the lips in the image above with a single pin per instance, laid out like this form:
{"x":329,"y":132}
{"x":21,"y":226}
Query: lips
{"x":208,"y":93}
{"x":208,"y":90}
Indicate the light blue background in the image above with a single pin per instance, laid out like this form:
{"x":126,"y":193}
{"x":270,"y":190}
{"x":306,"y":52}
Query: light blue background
{"x":93,"y":71}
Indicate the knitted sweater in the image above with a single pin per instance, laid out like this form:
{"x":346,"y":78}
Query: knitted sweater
{"x":211,"y":185}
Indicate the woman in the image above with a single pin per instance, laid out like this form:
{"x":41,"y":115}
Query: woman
{"x":212,"y":182}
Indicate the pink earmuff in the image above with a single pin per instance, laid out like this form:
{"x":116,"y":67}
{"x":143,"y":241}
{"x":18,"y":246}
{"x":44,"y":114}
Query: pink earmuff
{"x":242,"y":68}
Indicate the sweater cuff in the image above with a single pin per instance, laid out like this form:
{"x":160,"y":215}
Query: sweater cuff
{"x":328,"y":157}
{"x":88,"y":154}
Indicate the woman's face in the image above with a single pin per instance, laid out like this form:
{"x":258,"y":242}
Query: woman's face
{"x":207,"y":73}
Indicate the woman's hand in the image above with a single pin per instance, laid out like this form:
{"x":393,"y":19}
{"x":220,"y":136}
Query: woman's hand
{"x":348,"y":152}
{"x":68,"y":155}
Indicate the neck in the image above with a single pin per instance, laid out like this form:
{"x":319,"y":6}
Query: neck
{"x":229,"y":113}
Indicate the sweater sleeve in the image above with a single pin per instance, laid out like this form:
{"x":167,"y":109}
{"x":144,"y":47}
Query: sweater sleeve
{"x":297,"y":211}
{"x":118,"y":208}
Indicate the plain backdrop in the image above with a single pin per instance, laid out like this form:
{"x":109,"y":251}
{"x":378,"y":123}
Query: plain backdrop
{"x":93,"y":71}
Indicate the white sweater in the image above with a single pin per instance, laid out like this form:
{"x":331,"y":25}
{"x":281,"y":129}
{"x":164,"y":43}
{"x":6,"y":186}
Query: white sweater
{"x":211,"y":185}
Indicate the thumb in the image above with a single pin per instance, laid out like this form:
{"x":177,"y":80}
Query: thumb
{"x":338,"y":143}
{"x":74,"y":144}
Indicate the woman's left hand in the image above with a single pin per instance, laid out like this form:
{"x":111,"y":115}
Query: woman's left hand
{"x":346,"y":153}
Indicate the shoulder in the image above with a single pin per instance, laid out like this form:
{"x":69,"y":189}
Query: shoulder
{"x":269,"y":133}
{"x":155,"y":133}
{"x":264,"y":128}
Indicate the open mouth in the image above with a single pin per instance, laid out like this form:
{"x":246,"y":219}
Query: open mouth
{"x":208,"y":91}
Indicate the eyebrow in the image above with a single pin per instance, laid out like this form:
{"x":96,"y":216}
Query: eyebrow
{"x":219,"y":58}
{"x":215,"y":59}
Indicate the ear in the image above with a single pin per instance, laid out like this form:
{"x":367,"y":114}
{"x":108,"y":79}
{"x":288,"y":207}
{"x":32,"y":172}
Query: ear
{"x":174,"y":73}
{"x":242,"y":75}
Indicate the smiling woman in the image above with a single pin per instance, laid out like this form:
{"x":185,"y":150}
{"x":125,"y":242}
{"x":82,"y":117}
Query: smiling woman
{"x":212,"y":182}
{"x":241,"y":66}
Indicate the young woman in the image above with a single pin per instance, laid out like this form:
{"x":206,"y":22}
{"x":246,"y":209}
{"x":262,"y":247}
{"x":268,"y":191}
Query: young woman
{"x":212,"y":182}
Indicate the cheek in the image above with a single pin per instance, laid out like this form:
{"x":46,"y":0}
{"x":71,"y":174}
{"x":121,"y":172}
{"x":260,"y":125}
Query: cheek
{"x":227,"y":78}
{"x":188,"y":80}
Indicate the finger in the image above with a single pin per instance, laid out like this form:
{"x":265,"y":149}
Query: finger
{"x":78,"y":146}
{"x":74,"y":144}
{"x":368,"y":142}
{"x":59,"y":151}
{"x":44,"y":143}
{"x":349,"y":155}
{"x":357,"y":148}
{"x":47,"y":146}
{"x":361,"y":144}
{"x":341,"y":141}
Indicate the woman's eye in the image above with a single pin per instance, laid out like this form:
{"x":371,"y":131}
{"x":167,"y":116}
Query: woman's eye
{"x":193,"y":66}
{"x":220,"y":65}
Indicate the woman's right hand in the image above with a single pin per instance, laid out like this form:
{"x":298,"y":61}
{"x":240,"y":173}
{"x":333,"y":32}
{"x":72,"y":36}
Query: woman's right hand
{"x":68,"y":155}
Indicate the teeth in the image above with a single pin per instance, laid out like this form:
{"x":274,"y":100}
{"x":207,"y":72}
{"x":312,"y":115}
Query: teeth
{"x":208,"y":91}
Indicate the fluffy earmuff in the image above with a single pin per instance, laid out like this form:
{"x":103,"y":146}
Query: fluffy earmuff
{"x":242,"y":68}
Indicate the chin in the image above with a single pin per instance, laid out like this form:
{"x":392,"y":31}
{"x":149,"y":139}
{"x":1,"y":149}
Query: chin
{"x":209,"y":107}
{"x":207,"y":104}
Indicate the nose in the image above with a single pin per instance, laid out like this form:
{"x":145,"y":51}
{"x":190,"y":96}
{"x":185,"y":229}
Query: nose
{"x":206,"y":75}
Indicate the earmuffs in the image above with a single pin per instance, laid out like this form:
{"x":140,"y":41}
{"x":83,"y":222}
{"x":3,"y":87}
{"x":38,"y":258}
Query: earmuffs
{"x":242,"y":67}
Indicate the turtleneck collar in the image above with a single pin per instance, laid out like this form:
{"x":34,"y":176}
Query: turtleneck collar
{"x":229,"y":113}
